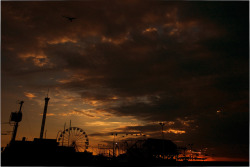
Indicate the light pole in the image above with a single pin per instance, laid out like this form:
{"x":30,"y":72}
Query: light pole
{"x":115,"y":134}
{"x":162,"y":125}
{"x":191,"y":145}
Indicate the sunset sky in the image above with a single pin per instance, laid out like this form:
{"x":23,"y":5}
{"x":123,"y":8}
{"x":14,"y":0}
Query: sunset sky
{"x":126,"y":66}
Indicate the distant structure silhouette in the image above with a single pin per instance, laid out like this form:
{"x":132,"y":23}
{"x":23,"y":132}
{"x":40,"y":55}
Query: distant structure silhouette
{"x":69,"y":18}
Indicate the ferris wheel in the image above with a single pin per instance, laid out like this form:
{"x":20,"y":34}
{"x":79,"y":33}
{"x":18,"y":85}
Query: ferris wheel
{"x":74,"y":137}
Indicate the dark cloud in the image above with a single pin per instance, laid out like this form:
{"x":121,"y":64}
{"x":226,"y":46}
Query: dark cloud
{"x":100,"y":134}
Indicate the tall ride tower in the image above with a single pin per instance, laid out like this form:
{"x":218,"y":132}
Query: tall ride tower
{"x":16,"y":117}
{"x":44,"y":116}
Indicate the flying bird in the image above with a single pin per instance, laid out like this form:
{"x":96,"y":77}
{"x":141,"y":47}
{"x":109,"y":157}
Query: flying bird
{"x":70,"y":18}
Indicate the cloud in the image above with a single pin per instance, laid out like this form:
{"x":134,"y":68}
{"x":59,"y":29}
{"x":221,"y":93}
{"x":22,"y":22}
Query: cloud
{"x":49,"y":114}
{"x":153,"y":129}
{"x":80,"y":113}
{"x":38,"y":60}
{"x":175,"y":131}
{"x":29,"y":95}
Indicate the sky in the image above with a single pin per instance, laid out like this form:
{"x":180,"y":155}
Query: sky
{"x":125,"y":66}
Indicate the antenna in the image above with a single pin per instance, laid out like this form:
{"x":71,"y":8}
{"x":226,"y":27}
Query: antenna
{"x":48,"y":93}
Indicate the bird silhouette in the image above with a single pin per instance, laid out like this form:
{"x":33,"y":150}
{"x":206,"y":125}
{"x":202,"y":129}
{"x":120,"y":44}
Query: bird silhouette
{"x":69,"y":18}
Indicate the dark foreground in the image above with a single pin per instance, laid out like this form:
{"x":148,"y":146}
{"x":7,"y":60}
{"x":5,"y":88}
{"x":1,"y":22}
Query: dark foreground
{"x":115,"y":162}
{"x":46,"y":152}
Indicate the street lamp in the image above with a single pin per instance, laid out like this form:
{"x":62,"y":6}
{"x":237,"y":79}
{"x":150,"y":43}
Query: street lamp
{"x":191,"y":145}
{"x":114,"y":134}
{"x":162,"y":125}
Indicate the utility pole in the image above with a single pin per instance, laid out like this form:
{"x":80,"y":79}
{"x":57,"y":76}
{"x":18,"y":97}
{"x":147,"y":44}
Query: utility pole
{"x":115,"y":134}
{"x":69,"y":131}
{"x":191,"y":145}
{"x":162,"y":125}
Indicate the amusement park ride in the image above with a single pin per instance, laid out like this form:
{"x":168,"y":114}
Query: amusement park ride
{"x":74,"y":137}
{"x":74,"y":142}
{"x":15,"y":118}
